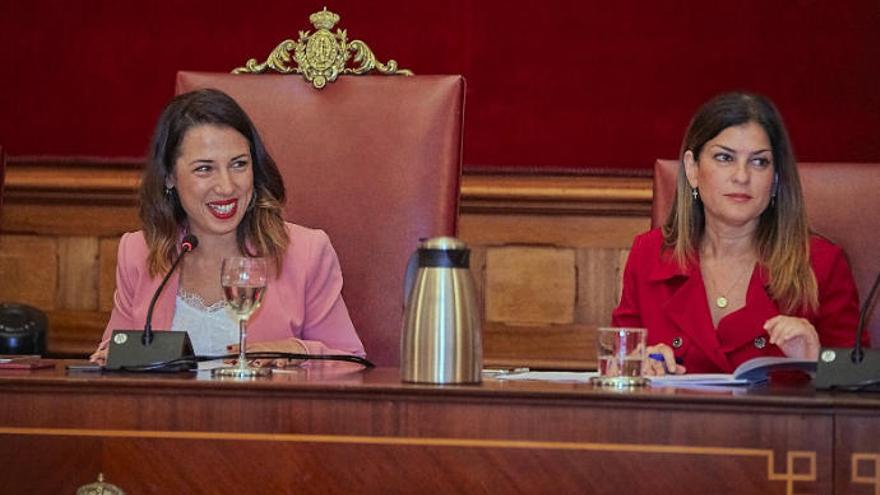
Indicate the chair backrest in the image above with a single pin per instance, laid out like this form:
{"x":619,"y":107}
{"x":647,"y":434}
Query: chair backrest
{"x":842,"y":203}
{"x":2,"y":180}
{"x":375,"y":161}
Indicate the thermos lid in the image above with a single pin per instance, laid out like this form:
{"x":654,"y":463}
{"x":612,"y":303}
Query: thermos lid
{"x":443,"y":243}
{"x":444,"y":252}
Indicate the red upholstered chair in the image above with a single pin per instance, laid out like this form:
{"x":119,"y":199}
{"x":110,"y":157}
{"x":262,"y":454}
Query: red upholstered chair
{"x":2,"y":177}
{"x":375,"y":161}
{"x":842,"y":204}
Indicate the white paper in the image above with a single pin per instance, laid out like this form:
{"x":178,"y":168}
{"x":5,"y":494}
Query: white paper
{"x":696,"y":379}
{"x":550,"y":376}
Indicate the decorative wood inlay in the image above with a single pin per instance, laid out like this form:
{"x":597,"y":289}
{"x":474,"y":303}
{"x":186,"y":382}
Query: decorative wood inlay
{"x":789,"y":476}
{"x":860,"y":459}
{"x":530,"y":284}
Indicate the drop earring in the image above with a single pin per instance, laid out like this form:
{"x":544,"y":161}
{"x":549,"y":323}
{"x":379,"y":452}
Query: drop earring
{"x":695,"y":194}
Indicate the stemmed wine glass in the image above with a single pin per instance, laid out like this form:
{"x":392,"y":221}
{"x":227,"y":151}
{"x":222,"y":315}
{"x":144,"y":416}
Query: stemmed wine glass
{"x":244,"y":283}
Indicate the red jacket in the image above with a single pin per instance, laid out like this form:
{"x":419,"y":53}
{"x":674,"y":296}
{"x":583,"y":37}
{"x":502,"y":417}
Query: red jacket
{"x":671,"y":303}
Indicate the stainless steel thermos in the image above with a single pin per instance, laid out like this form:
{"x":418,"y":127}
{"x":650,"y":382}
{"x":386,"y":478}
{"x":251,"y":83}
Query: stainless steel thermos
{"x":440,"y":342}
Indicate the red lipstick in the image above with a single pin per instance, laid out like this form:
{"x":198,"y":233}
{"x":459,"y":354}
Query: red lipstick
{"x":225,"y":209}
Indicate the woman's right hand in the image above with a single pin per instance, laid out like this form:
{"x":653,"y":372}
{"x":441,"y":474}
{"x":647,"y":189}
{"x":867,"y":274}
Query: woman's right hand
{"x":99,"y":357}
{"x":655,"y":367}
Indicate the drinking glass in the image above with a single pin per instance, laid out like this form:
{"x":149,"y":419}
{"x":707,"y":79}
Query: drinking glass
{"x":244,"y":283}
{"x":621,"y":354}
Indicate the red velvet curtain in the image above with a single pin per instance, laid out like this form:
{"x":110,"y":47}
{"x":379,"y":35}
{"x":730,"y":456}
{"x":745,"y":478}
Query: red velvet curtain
{"x":550,"y":84}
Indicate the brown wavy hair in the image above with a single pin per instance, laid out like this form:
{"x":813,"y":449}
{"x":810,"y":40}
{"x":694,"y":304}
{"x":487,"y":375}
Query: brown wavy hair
{"x":782,"y":238}
{"x":261,"y":231}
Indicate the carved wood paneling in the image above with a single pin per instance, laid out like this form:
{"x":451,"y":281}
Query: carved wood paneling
{"x":598,"y":283}
{"x":78,"y":273}
{"x":512,"y":436}
{"x":560,"y":229}
{"x":29,"y":270}
{"x":75,"y":333}
{"x":556,"y":194}
{"x":530,"y":285}
{"x":107,"y":272}
{"x":530,"y":320}
{"x":547,"y":346}
{"x":54,"y":196}
{"x":62,"y":218}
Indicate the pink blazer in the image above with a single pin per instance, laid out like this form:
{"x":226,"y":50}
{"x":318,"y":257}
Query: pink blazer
{"x":304,"y":303}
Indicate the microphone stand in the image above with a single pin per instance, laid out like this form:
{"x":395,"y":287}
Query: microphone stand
{"x":143,"y":350}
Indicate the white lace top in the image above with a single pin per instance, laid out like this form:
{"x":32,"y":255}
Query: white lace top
{"x":210,"y":328}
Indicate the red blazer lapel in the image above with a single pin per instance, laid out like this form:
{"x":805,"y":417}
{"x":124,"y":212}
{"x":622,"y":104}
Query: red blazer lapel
{"x":688,"y":308}
{"x":745,"y":325}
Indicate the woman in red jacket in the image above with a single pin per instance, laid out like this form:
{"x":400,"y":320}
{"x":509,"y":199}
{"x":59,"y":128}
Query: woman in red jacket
{"x":734,"y":273}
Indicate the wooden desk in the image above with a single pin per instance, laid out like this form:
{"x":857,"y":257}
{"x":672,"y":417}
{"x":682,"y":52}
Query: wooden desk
{"x":348,"y":431}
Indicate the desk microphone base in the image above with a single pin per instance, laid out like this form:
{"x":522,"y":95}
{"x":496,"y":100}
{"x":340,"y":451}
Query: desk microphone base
{"x":128,"y":352}
{"x":836,"y":370}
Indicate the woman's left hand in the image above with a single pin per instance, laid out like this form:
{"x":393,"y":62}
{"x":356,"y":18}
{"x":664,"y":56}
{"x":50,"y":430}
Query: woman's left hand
{"x":292,"y":346}
{"x":795,"y":336}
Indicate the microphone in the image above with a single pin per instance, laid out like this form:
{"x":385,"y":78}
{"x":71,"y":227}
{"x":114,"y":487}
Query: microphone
{"x":189,"y":243}
{"x":136,"y":349}
{"x":852,"y":369}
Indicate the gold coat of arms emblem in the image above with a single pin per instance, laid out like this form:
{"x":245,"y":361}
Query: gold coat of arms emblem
{"x":321,"y":56}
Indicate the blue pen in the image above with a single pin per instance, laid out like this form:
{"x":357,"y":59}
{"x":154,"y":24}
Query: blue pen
{"x":656,"y":356}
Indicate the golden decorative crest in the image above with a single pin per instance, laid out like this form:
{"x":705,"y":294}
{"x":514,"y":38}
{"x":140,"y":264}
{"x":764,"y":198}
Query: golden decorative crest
{"x":322,"y":56}
{"x":99,"y":488}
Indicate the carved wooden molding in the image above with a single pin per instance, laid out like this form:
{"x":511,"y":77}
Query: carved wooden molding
{"x":72,"y":180}
{"x":556,"y":194}
{"x":97,"y":181}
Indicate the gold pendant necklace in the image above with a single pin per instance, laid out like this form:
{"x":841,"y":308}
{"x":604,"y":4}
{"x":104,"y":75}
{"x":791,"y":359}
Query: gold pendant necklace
{"x":721,"y":301}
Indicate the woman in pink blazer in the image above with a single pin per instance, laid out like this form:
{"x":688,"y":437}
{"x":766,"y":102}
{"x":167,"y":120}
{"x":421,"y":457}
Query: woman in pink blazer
{"x":210,"y":175}
{"x":734,"y":273}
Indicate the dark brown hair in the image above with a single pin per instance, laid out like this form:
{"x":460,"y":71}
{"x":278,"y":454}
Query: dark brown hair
{"x":782,"y":239}
{"x":261,"y":231}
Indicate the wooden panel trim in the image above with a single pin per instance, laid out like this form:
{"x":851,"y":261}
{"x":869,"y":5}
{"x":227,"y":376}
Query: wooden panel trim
{"x":789,"y":476}
{"x":556,"y":194}
{"x":89,"y":180}
{"x":72,"y":180}
{"x":768,"y":454}
{"x":74,"y":333}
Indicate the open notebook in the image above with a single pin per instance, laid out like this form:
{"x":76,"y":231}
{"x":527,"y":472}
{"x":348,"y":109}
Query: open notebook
{"x":754,"y":370}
